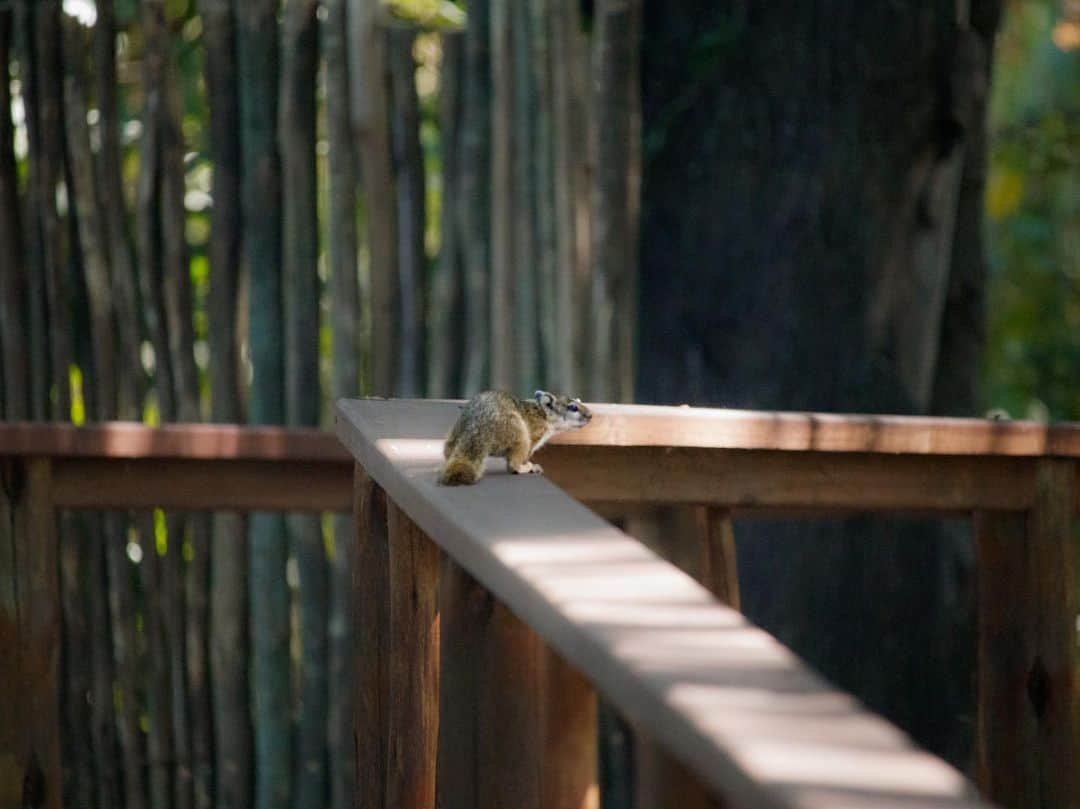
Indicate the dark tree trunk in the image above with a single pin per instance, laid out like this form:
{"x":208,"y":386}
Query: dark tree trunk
{"x":37,"y":315}
{"x":475,"y":207}
{"x":50,"y":172}
{"x":113,"y":212}
{"x":344,"y":381}
{"x":501,"y":294}
{"x":794,"y":157}
{"x":228,"y":594}
{"x":444,"y":303}
{"x":616,"y":102}
{"x":300,"y":58}
{"x":257,"y":40}
{"x":369,"y":85}
{"x":16,"y":404}
{"x":409,"y":187}
{"x":523,"y":323}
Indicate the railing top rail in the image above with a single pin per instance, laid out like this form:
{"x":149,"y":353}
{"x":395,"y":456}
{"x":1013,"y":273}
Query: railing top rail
{"x":132,"y":440}
{"x":731,"y":702}
{"x":620,"y":426}
{"x":647,"y":425}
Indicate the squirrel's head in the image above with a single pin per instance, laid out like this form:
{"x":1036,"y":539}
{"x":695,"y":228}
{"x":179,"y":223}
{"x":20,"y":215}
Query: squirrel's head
{"x":563,"y":413}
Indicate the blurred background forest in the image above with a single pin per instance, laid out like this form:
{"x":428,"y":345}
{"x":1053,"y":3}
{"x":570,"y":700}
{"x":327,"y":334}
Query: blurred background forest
{"x":240,"y":211}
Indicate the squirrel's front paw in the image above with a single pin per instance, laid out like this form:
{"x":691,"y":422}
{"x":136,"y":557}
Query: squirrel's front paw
{"x":528,"y":468}
{"x":537,"y":469}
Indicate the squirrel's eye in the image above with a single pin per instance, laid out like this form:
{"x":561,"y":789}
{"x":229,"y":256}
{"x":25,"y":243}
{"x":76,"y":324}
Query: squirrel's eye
{"x":572,"y":408}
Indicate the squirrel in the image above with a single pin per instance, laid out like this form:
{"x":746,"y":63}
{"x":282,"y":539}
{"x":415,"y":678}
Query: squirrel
{"x":496,"y":423}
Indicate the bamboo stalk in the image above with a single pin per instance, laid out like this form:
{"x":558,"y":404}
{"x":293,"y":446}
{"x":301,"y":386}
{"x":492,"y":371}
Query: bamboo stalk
{"x":476,"y":196}
{"x":503,"y":250}
{"x":50,"y":157}
{"x":444,"y":312}
{"x":614,"y":197}
{"x":228,"y":641}
{"x":523,"y":139}
{"x":16,"y":392}
{"x":344,"y":381}
{"x":258,"y":63}
{"x":369,"y":88}
{"x":409,"y":187}
{"x":301,"y":253}
{"x":113,"y":212}
{"x":25,"y":25}
{"x":77,"y":744}
{"x":542,"y":27}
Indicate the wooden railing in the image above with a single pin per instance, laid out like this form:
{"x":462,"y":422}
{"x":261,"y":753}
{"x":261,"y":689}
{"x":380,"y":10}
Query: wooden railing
{"x":45,"y":467}
{"x":490,"y":616}
{"x":542,"y":603}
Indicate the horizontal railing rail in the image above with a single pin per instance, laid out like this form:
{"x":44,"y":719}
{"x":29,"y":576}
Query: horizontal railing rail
{"x":186,"y":466}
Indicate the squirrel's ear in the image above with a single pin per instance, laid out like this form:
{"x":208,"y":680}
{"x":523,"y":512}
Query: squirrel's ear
{"x":544,"y":398}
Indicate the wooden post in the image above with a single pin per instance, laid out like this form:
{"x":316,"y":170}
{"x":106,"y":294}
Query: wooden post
{"x":708,"y":555}
{"x":663,"y":782}
{"x":371,"y":584}
{"x":29,"y":638}
{"x":517,"y":725}
{"x":569,"y":769}
{"x":413,"y":674}
{"x":1026,"y":738}
{"x":718,"y":571}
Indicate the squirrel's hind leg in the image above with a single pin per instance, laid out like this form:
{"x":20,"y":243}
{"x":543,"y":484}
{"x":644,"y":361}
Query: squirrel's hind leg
{"x":517,"y":458}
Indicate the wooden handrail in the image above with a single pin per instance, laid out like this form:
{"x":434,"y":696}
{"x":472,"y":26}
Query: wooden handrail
{"x":119,"y":439}
{"x":747,"y":717}
{"x":656,"y":426}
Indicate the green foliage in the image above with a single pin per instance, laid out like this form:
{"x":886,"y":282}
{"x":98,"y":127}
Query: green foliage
{"x":1032,"y":364}
{"x":437,"y":15}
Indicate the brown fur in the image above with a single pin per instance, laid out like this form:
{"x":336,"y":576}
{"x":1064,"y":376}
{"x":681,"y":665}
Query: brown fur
{"x":494,"y":423}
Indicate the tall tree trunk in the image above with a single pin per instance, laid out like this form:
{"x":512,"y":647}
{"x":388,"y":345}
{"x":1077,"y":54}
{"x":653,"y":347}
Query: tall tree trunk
{"x":444,"y":312}
{"x":113,"y":212}
{"x":12,"y":280}
{"x":503,"y":219}
{"x":370,"y":110}
{"x":475,"y":203}
{"x":341,"y":248}
{"x":300,"y":55}
{"x":542,"y":28}
{"x":37,"y":312}
{"x":229,"y":591}
{"x":614,"y":230}
{"x":524,"y":328}
{"x":99,"y":387}
{"x":570,"y":191}
{"x":77,"y":665}
{"x":269,"y":596}
{"x":807,"y":213}
{"x":409,"y":184}
{"x":50,"y":173}
{"x":176,"y":293}
{"x":158,"y":694}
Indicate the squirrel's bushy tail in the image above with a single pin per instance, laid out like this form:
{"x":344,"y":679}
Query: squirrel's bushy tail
{"x":459,"y":472}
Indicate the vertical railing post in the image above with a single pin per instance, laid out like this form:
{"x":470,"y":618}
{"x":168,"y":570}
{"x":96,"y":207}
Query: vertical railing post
{"x":413,"y":709}
{"x":569,"y":716}
{"x":517,"y":726}
{"x":371,"y":624}
{"x":1026,"y":741}
{"x":716,"y":553}
{"x":29,"y":638}
{"x":662,"y":781}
